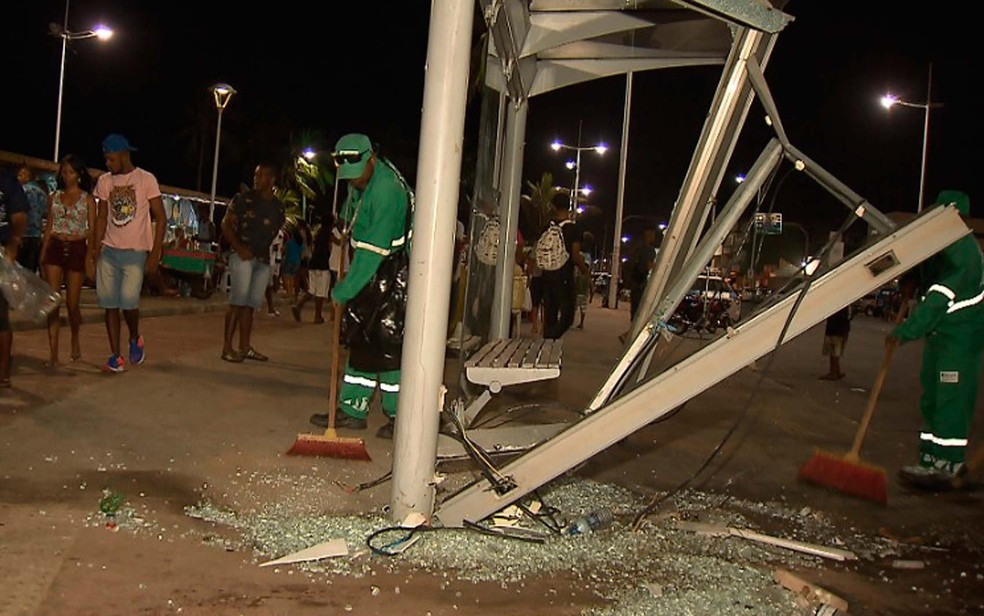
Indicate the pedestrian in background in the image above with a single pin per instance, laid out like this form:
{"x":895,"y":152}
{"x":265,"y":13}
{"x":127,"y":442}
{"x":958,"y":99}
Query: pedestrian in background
{"x":250,"y":224}
{"x":638,"y":266}
{"x":836,"y":330}
{"x":37,"y":199}
{"x":307,"y":246}
{"x":559,"y":295}
{"x":319,"y":273}
{"x":130,"y":225}
{"x":68,"y":253}
{"x":13,"y":220}
{"x":276,"y":260}
{"x":293,"y":253}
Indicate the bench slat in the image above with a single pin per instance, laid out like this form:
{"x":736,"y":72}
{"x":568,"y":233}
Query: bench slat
{"x":485,"y":353}
{"x":502,"y":359}
{"x":532,"y":354}
{"x":556,"y":350}
{"x":519,"y":353}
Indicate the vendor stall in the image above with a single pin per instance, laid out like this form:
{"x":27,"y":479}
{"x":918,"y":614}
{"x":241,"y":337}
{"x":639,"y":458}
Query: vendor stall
{"x":193,"y":268}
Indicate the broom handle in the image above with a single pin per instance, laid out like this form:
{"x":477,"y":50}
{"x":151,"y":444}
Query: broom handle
{"x":854,"y":453}
{"x":336,"y":336}
{"x":336,"y":326}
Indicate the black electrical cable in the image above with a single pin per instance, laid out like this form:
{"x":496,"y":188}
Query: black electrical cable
{"x":656,"y":501}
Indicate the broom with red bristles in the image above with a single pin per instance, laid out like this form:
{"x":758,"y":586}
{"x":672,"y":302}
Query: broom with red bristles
{"x":329,"y":444}
{"x":847,"y":473}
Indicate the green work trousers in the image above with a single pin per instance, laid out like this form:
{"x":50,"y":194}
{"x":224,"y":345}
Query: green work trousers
{"x":950,"y":370}
{"x":358,"y":388}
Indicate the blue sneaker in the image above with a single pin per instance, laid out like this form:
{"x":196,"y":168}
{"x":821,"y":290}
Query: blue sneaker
{"x":137,"y":351}
{"x":113,"y":364}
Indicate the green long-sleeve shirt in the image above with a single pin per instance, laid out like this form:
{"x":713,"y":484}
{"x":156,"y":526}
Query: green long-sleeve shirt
{"x":954,"y":301}
{"x":380,"y":228}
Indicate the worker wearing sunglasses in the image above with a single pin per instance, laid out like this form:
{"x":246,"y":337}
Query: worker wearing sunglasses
{"x":376,"y":213}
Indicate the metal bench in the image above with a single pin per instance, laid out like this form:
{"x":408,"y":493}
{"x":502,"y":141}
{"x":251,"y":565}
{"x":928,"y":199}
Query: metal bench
{"x":510,"y":361}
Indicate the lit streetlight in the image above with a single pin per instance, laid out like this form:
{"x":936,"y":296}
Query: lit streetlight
{"x":222,"y":92}
{"x":890,"y":100}
{"x":575,"y":164}
{"x":99,"y":32}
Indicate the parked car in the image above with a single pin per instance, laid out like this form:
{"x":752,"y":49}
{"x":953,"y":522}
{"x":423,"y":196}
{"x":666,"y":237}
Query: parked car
{"x":879,"y":303}
{"x":716,"y":289}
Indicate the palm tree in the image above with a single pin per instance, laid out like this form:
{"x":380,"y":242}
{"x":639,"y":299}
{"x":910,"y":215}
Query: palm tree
{"x":535,"y":206}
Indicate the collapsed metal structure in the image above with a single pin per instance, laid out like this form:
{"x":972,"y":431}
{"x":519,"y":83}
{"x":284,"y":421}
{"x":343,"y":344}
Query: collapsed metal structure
{"x":542,"y":45}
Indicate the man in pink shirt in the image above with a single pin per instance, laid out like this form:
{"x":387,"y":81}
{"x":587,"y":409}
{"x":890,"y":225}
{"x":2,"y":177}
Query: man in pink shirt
{"x":130,"y":224}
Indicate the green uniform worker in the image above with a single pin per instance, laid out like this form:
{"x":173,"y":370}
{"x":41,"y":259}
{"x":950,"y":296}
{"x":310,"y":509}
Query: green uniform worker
{"x":951,"y":318}
{"x":375,"y":211}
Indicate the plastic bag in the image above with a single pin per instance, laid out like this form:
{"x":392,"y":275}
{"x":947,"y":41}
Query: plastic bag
{"x":375,"y":317}
{"x":26,"y":293}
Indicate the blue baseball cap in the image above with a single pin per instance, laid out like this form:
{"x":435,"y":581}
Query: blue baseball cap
{"x":116,"y":143}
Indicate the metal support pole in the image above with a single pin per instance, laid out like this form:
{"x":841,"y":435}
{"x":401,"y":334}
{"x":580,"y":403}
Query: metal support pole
{"x":61,"y":81}
{"x":922,"y":174}
{"x":215,"y":166}
{"x":623,"y":157}
{"x":577,"y":174}
{"x":510,"y":186}
{"x":442,"y":131}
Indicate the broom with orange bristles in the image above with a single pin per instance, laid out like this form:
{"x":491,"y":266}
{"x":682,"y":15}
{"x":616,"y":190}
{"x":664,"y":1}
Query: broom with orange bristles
{"x":329,"y":444}
{"x":847,"y":473}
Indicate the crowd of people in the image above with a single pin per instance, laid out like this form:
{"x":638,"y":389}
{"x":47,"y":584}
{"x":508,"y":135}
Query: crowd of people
{"x":112,"y":231}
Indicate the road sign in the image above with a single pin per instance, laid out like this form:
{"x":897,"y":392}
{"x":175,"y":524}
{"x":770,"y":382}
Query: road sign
{"x":775,"y":224}
{"x":768,"y":224}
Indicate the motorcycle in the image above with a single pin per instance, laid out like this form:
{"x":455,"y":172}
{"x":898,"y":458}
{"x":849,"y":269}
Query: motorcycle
{"x":689,"y":314}
{"x":694,"y":312}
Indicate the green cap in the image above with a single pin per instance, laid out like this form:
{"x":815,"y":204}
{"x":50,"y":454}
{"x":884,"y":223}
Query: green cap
{"x":351,"y":154}
{"x":957,"y":198}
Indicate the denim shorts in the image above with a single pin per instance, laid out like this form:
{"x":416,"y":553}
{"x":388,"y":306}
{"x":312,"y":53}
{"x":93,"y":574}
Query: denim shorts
{"x":119,"y":277}
{"x":248,"y":281}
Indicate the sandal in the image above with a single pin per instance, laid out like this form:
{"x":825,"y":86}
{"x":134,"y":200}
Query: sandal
{"x":4,"y":383}
{"x":76,"y":356}
{"x":252,"y":353}
{"x":232,"y":356}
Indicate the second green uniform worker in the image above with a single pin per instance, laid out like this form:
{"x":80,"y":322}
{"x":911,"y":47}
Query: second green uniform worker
{"x":376,"y":215}
{"x":951,"y":319}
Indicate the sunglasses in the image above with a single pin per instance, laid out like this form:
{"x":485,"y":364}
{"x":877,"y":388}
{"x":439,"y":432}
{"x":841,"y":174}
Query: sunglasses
{"x":348,"y":156}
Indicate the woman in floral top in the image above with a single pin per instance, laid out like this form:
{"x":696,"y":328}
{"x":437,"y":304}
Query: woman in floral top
{"x":67,"y":251}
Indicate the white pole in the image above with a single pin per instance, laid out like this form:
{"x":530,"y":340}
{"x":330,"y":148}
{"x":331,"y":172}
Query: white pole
{"x":510,"y":185}
{"x":215,"y":165}
{"x":922,"y":174}
{"x":61,"y":82}
{"x":442,"y":132}
{"x":623,"y":157}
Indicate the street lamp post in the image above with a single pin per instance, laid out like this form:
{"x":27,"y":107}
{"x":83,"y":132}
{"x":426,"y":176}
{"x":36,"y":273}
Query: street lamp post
{"x":890,"y":100}
{"x":601,"y":148}
{"x":101,"y":32}
{"x":222,"y":92}
{"x":309,"y":154}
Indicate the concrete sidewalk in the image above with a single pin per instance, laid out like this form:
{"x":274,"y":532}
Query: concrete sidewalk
{"x":186,"y":428}
{"x":150,"y":306}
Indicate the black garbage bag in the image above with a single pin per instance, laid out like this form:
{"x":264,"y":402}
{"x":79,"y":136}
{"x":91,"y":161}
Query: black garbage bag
{"x":375,"y":317}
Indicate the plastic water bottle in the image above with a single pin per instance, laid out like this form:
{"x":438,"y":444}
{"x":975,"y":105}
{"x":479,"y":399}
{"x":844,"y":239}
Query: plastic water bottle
{"x":590,"y":522}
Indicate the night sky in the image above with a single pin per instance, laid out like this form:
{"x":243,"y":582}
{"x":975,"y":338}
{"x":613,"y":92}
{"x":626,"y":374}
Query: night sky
{"x":304,"y":77}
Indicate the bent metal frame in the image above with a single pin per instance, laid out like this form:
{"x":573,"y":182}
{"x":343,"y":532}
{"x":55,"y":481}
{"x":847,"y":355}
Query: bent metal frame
{"x":530,"y":41}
